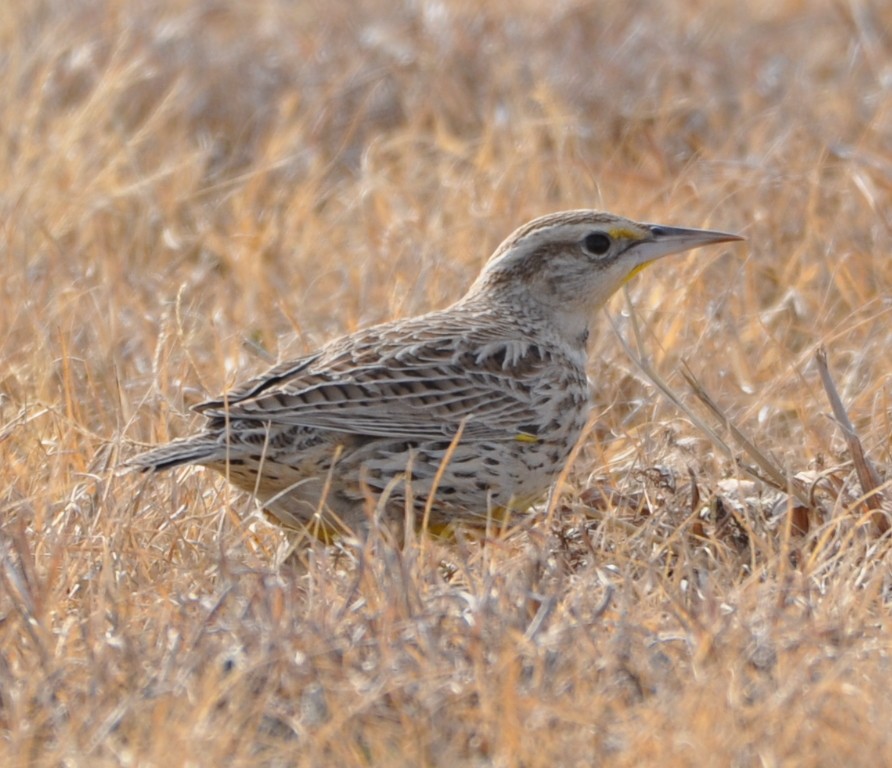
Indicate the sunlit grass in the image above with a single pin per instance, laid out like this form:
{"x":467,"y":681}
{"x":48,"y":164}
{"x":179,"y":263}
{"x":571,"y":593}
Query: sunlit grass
{"x":191,"y":189}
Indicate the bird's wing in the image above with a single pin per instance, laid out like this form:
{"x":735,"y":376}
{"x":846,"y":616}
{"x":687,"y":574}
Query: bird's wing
{"x":424,"y":389}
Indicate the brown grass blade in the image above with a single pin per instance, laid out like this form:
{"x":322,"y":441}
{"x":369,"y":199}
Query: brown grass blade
{"x":867,"y":474}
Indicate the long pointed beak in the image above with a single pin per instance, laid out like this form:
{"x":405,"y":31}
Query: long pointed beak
{"x":668,"y":240}
{"x":665,"y":241}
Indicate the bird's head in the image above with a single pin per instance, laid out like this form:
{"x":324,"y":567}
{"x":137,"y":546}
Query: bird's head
{"x":572,"y":262}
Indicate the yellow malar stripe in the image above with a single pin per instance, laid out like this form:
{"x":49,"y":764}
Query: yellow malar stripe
{"x":636,"y":270}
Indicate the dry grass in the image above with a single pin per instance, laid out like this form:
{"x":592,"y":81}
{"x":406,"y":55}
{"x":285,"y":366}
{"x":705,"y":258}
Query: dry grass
{"x":180,"y":178}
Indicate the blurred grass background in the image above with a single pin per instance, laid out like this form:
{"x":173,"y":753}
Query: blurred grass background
{"x":191,"y":190}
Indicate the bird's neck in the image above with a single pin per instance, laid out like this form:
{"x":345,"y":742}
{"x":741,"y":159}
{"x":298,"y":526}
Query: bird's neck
{"x":572,"y":327}
{"x":565,"y":325}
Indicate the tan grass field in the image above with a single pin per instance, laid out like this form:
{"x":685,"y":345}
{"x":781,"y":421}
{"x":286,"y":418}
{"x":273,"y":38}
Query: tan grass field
{"x":191,"y":190}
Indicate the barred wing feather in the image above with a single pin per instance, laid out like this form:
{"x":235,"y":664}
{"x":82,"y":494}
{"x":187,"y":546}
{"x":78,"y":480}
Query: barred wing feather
{"x":425,"y":391}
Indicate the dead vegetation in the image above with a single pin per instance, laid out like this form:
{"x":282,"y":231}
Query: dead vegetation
{"x":191,"y":189}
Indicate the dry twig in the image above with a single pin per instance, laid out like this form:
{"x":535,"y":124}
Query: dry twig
{"x":867,"y":474}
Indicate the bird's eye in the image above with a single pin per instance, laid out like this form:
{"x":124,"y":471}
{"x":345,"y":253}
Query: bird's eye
{"x":597,"y":243}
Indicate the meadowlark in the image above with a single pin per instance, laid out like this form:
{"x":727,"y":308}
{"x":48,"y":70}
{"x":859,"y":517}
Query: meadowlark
{"x":454,"y":416}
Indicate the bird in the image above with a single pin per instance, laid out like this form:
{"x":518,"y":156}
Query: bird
{"x":456,"y":417}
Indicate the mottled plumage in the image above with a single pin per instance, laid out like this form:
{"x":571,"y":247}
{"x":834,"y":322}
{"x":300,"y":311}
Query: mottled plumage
{"x":496,"y":383}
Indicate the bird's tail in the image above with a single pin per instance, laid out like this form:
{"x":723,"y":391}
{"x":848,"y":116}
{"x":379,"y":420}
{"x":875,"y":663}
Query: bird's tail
{"x":193,"y":450}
